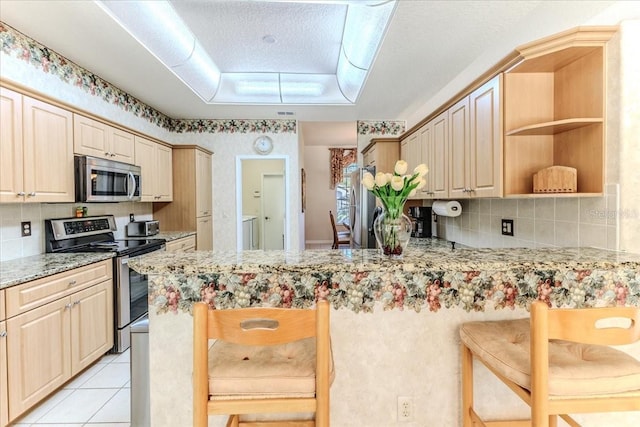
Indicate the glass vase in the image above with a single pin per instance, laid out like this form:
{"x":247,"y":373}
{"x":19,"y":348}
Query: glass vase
{"x":392,"y":229}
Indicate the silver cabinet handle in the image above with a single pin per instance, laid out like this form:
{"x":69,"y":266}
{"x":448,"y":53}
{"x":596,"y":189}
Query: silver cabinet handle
{"x":32,"y":194}
{"x":22,"y":193}
{"x":76,"y":302}
{"x":72,"y":282}
{"x":107,"y":153}
{"x":3,"y":334}
{"x":68,"y":306}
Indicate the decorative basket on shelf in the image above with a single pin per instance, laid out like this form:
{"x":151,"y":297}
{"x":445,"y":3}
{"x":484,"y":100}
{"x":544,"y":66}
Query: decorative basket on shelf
{"x":556,"y":179}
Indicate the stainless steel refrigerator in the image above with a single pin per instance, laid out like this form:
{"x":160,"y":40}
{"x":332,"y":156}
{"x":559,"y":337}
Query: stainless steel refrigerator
{"x":362,"y":205}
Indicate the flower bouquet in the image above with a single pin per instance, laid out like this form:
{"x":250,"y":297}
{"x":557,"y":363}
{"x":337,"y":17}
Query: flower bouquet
{"x":392,"y":228}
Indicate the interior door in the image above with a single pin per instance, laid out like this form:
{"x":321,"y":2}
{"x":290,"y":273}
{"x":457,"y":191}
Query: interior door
{"x":273,"y":211}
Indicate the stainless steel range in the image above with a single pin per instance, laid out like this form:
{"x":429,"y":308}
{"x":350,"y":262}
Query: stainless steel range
{"x":95,"y":234}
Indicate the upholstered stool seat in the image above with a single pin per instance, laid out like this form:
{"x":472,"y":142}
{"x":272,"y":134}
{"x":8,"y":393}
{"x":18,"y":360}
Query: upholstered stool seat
{"x":559,"y":362}
{"x":255,"y":372}
{"x":574,"y":369}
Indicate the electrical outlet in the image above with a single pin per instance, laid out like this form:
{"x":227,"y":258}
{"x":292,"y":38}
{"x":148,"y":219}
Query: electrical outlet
{"x":25,"y":227}
{"x":507,"y":227}
{"x":131,"y":217}
{"x":405,"y":408}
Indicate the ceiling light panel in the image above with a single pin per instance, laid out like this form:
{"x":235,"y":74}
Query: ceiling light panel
{"x":261,"y":52}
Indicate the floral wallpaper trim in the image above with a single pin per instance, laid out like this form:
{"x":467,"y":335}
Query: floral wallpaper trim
{"x":391,"y":128}
{"x":20,"y":46}
{"x":418,"y":290}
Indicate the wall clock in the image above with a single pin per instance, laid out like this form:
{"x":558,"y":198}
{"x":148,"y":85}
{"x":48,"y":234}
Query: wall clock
{"x":263,"y":145}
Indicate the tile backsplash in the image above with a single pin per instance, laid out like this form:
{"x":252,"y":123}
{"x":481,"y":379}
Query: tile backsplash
{"x":559,"y":221}
{"x":12,"y":245}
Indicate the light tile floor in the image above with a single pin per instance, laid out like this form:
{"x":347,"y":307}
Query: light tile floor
{"x":99,"y":396}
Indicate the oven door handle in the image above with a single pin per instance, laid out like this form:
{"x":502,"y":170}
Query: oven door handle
{"x":132,"y":185}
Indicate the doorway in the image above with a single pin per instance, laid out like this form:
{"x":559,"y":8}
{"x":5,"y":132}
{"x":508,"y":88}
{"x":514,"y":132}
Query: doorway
{"x":262,"y":192}
{"x":273,"y":211}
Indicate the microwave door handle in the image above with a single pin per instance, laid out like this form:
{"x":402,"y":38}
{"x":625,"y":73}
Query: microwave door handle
{"x":132,"y":185}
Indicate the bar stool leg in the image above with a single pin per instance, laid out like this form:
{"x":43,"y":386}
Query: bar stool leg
{"x":467,"y":385}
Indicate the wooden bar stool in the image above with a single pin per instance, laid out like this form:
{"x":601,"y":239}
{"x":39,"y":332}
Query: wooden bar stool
{"x":559,"y":362}
{"x":264,"y":360}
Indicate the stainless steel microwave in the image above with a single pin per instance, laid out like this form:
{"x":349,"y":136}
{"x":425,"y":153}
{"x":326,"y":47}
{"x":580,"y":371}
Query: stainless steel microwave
{"x":100,"y":180}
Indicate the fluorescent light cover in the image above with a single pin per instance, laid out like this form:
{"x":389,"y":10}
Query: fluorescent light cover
{"x":158,"y":27}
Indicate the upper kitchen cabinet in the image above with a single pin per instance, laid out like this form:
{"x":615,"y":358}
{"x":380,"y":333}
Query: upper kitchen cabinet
{"x":411,"y":152}
{"x":475,"y":143}
{"x":191,"y":209}
{"x":155,"y":159}
{"x":382,"y":153}
{"x":97,"y":139}
{"x":434,"y":140}
{"x":554,"y":112}
{"x":36,"y":150}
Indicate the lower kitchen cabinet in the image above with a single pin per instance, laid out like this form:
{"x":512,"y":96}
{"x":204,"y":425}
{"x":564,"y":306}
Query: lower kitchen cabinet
{"x":4,"y":402}
{"x":204,"y":239}
{"x":49,"y":344}
{"x":186,"y":244}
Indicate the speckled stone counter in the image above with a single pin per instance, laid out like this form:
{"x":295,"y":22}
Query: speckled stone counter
{"x":433,"y":275}
{"x":173,"y":235}
{"x":394,"y":329}
{"x":22,"y":270}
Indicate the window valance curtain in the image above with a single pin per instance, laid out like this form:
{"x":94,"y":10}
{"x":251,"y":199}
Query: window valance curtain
{"x":339,"y":159}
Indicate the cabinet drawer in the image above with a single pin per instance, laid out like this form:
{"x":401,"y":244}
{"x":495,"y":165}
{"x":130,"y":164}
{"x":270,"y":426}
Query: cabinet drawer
{"x":38,"y":292}
{"x":182,"y":245}
{"x":3,"y":313}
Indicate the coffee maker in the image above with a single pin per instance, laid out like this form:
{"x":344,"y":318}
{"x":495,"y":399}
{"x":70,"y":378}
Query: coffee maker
{"x":421,"y":220}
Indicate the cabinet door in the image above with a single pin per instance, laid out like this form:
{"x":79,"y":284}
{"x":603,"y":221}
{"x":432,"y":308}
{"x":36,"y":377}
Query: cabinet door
{"x":48,"y":152}
{"x":38,"y":345}
{"x":426,"y":156}
{"x":121,"y":145}
{"x":203,"y":184}
{"x":4,"y":402}
{"x":11,"y":156}
{"x":204,"y":237}
{"x":90,"y":137}
{"x":145,"y":158}
{"x":459,"y":149}
{"x":486,"y":140}
{"x":164,"y":174}
{"x":439,"y":160}
{"x":91,"y":325}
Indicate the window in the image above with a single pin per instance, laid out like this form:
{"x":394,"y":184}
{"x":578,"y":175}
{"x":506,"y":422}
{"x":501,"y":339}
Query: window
{"x":342,"y":194}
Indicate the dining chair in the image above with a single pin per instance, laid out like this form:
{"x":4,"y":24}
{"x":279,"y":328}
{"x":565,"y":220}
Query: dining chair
{"x":339,"y":237}
{"x":559,"y":362}
{"x":264,"y":360}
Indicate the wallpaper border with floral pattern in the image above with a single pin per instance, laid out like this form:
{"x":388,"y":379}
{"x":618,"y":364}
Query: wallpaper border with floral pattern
{"x":391,"y":128}
{"x":20,"y":46}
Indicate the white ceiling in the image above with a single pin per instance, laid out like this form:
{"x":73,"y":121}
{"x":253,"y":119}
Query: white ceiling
{"x":431,"y":51}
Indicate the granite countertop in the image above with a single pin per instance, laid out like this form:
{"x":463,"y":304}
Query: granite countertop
{"x":25,"y":269}
{"x":429,"y":275}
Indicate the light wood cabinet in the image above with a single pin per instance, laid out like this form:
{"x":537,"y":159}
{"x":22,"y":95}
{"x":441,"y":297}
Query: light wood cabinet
{"x":36,"y":150}
{"x":554,"y":112}
{"x":437,"y":157}
{"x":191,"y":209}
{"x":459,"y":162}
{"x":411,"y":152}
{"x":4,"y":401}
{"x":204,"y":236}
{"x":485,"y":140}
{"x":475,"y":143}
{"x":97,"y":139}
{"x":382,"y":153}
{"x":185,"y":244}
{"x":4,"y":391}
{"x":73,"y":327}
{"x":155,"y":159}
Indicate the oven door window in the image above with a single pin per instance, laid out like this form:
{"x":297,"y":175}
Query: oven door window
{"x":138,"y":294}
{"x":109,"y":183}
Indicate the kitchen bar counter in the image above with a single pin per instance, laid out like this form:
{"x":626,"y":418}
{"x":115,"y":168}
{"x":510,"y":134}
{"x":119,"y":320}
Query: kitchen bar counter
{"x":394,"y":327}
{"x":21,"y":270}
{"x":172,"y":235}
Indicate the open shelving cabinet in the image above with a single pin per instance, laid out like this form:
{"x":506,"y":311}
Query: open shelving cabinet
{"x":554,"y":111}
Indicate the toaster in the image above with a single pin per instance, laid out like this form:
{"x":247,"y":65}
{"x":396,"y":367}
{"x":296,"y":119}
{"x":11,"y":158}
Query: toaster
{"x":143,"y":228}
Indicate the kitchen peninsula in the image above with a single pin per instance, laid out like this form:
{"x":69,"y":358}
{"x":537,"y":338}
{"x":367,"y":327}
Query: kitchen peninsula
{"x":394,"y":323}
